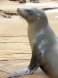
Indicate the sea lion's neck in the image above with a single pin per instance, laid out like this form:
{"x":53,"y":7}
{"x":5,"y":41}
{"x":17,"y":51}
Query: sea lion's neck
{"x":33,"y":29}
{"x":36,"y":26}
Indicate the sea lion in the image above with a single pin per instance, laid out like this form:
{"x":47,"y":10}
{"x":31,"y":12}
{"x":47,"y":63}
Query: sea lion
{"x":43,"y":42}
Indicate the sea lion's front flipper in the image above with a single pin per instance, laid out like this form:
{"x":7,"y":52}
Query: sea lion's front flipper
{"x":24,"y":71}
{"x":28,"y":70}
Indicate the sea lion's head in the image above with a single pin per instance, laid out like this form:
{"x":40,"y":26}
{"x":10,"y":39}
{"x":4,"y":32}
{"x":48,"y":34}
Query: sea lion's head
{"x":33,"y":15}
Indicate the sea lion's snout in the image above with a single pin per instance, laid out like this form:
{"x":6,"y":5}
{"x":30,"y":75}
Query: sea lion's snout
{"x":18,"y":10}
{"x":22,"y":12}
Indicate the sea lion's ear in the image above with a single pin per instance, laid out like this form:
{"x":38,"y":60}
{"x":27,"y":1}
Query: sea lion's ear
{"x":38,"y":15}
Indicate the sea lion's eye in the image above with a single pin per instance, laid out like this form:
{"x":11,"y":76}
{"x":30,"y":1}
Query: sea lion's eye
{"x":29,"y":12}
